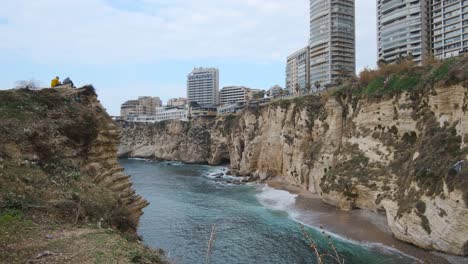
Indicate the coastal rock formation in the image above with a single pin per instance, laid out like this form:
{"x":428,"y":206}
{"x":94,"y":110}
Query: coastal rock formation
{"x":58,"y":152}
{"x":393,"y":154}
{"x":184,"y":141}
{"x":102,"y":165}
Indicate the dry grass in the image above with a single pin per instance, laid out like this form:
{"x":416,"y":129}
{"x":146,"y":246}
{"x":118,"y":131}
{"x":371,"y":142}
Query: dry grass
{"x":209,"y":250}
{"x":323,"y":257}
{"x":23,"y":240}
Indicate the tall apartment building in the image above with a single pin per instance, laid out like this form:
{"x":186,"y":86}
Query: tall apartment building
{"x":403,"y":29}
{"x":233,"y":94}
{"x":203,"y":86}
{"x":298,"y":71}
{"x":449,"y":28}
{"x":332,"y":41}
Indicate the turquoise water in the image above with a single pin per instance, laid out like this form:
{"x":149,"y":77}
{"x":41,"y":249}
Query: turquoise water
{"x":253,"y":225}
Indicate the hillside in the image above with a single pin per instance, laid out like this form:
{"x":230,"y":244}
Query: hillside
{"x":387,"y":142}
{"x":63,"y":196}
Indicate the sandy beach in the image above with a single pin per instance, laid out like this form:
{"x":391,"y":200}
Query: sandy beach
{"x":362,"y":226}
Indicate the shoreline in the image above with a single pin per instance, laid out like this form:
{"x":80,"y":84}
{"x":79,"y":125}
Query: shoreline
{"x":360,"y":226}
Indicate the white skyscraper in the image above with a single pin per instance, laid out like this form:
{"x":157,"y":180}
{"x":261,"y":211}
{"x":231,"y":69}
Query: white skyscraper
{"x":203,"y":86}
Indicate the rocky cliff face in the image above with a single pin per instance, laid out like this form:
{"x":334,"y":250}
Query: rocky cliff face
{"x":393,"y":154}
{"x":58,"y":152}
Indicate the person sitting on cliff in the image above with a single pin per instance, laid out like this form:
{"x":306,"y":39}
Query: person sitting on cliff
{"x":68,"y":81}
{"x":55,"y":82}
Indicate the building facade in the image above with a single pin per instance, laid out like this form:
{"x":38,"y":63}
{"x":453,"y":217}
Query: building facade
{"x":449,"y":27}
{"x":255,"y":94}
{"x":277,"y":91}
{"x":143,"y":106}
{"x":203,"y":86}
{"x":332,"y":42}
{"x":129,"y":108}
{"x":422,"y":28}
{"x":177,"y":102}
{"x":298,"y":71}
{"x":147,"y":105}
{"x":231,"y":108}
{"x":403,"y":29}
{"x":233,"y":94}
{"x":171,"y":113}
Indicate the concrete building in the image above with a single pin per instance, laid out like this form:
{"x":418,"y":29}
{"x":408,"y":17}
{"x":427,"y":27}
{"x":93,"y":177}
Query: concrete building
{"x":332,"y":41}
{"x":203,"y":86}
{"x":171,"y":113}
{"x":161,"y":114}
{"x":255,"y":94}
{"x":143,"y":106}
{"x":422,"y":28}
{"x":449,"y":28}
{"x":231,"y":108}
{"x":403,"y":29}
{"x":147,"y":105}
{"x":277,"y":91}
{"x":129,"y":108}
{"x":177,"y":102}
{"x":234,"y":94}
{"x":298,"y":71}
{"x":203,"y":112}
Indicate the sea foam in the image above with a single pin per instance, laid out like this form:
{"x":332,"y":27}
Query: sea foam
{"x":285,"y":201}
{"x":278,"y":200}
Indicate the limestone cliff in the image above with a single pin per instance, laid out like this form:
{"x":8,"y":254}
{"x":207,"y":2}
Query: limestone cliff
{"x":58,"y":152}
{"x":391,"y":153}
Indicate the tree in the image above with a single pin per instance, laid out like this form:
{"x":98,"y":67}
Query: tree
{"x":317,"y":85}
{"x":409,"y":58}
{"x":382,"y":62}
{"x":432,"y":60}
{"x":31,"y":84}
{"x":366,"y":76}
{"x":308,"y":87}
{"x":297,"y":88}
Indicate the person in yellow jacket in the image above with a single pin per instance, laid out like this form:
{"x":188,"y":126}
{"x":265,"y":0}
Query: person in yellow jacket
{"x":55,"y":82}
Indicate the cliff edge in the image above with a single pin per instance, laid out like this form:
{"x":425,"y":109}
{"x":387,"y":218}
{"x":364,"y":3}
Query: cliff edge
{"x":393,"y":143}
{"x":60,"y":178}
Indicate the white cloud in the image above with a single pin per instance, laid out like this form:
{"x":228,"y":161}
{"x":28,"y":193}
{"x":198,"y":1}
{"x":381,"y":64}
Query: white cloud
{"x":145,"y":31}
{"x":92,"y":31}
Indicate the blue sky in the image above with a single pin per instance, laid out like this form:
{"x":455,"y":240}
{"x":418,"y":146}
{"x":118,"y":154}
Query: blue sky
{"x":130,"y":48}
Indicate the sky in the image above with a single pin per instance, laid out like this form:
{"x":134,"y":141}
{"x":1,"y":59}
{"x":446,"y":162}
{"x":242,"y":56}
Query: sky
{"x":131,"y":48}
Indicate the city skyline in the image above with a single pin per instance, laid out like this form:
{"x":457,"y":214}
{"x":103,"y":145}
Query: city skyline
{"x":152,"y":54}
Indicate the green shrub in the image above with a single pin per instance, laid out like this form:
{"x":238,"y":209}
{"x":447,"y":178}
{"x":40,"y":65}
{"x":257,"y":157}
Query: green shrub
{"x":443,"y":70}
{"x":421,"y":207}
{"x":425,"y":223}
{"x":374,"y":86}
{"x":10,"y":216}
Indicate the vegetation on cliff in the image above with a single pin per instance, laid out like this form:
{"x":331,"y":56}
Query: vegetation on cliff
{"x":405,"y":76}
{"x":438,"y":147}
{"x":45,"y":144}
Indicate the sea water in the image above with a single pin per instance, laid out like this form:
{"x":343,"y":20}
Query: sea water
{"x":254,"y":223}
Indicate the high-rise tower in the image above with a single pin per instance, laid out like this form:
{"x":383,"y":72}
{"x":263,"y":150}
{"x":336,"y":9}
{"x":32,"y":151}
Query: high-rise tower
{"x":203,"y":86}
{"x":332,"y":41}
{"x":403,"y":29}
